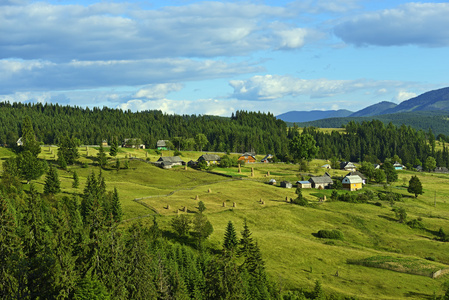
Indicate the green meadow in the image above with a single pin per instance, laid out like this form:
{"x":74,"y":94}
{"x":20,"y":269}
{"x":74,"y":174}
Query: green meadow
{"x":378,"y":258}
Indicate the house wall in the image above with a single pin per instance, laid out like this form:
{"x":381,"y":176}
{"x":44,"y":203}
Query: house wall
{"x":352,"y":186}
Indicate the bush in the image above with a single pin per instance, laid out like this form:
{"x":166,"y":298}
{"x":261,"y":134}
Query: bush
{"x":300,"y":201}
{"x":330,"y":234}
{"x":177,"y":153}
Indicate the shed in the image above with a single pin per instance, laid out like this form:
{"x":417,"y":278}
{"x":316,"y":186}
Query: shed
{"x":286,"y":184}
{"x":326,"y":166}
{"x":322,"y":182}
{"x":267,"y":158}
{"x":272,"y":181}
{"x":352,"y":183}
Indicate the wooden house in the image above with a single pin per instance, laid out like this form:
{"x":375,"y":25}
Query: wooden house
{"x":272,"y":181}
{"x":104,"y":143}
{"x":321,"y":182}
{"x":267,"y":158}
{"x":210,"y":159}
{"x":398,"y":166}
{"x":133,"y":143}
{"x":352,"y":183}
{"x":304,"y":184}
{"x":247,"y":157}
{"x":358,"y":174}
{"x":348,"y":166}
{"x":161,"y":145}
{"x":286,"y":184}
{"x":167,"y":162}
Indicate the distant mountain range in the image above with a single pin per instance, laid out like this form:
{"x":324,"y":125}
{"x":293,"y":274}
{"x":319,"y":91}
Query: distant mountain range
{"x":429,"y":110}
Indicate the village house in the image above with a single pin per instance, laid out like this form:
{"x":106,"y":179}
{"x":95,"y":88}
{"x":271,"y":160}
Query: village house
{"x":358,"y":174}
{"x":210,"y":159}
{"x":133,"y":143}
{"x":167,"y":162}
{"x":272,"y":181}
{"x":326,"y":166}
{"x":248,"y":157}
{"x":352,"y":183}
{"x":304,"y":184}
{"x":161,"y":145}
{"x":398,"y":166}
{"x":286,"y":184}
{"x":104,"y":143}
{"x":348,"y":166}
{"x":321,"y":182}
{"x":267,"y":158}
{"x":19,"y":142}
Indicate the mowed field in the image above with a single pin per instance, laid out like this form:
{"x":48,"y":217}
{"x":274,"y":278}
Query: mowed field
{"x":294,"y":257}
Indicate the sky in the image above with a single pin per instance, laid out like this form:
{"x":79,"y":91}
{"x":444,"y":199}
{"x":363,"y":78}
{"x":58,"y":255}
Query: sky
{"x":216,"y":57}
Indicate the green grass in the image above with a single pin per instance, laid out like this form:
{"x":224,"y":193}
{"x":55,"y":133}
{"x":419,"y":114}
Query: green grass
{"x":294,"y":257}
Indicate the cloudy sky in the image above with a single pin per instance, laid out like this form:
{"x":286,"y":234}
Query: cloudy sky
{"x":216,"y":57}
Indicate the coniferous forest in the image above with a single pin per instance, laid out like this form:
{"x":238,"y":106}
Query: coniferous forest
{"x":74,"y":248}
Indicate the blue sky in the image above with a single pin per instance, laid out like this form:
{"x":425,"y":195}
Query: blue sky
{"x":216,"y":57}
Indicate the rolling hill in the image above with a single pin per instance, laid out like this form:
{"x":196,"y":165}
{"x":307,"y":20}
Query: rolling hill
{"x":373,"y":110}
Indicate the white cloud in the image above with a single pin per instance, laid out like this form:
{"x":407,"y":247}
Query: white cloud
{"x":420,"y":24}
{"x":403,"y":95}
{"x":115,"y":31}
{"x":158,"y":91}
{"x":325,"y":6}
{"x":44,"y":75}
{"x":269,"y":87}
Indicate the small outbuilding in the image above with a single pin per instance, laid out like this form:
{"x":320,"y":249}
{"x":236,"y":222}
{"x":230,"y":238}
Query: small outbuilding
{"x":286,"y":184}
{"x":167,"y":162}
{"x":162,"y":145}
{"x":352,"y":183}
{"x":272,"y":181}
{"x":267,"y":158}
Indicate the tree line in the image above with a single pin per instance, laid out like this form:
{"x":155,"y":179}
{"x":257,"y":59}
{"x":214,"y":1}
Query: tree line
{"x":244,"y":131}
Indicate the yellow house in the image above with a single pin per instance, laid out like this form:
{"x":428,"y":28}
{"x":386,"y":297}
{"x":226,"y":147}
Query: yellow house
{"x":352,"y":183}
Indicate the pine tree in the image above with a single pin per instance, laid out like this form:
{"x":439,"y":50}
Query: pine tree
{"x":68,"y":149}
{"x":30,"y":166}
{"x":75,"y":183}
{"x":415,"y":186}
{"x":52,"y":184}
{"x":114,"y":147}
{"x":61,"y":161}
{"x":201,"y":207}
{"x":101,"y":156}
{"x":230,"y":242}
{"x":28,"y":138}
{"x":116,"y":207}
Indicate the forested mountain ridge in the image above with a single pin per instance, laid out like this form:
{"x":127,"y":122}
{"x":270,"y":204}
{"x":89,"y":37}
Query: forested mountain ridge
{"x":244,"y":131}
{"x":430,"y":101}
{"x":374,"y":110}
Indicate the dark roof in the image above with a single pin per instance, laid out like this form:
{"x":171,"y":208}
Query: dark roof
{"x":321,"y":179}
{"x":171,"y":159}
{"x":357,"y":173}
{"x":210,"y":157}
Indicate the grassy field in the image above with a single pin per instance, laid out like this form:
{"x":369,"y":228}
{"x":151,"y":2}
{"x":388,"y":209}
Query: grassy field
{"x":294,"y":257}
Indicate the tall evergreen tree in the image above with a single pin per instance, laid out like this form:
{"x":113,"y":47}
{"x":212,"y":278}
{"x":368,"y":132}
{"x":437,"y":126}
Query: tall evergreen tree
{"x":52,"y":184}
{"x":68,"y":149}
{"x":114,"y":147}
{"x":28,"y":137}
{"x":415,"y":186}
{"x":30,"y":166}
{"x":116,"y":207}
{"x":76,"y":181}
{"x":101,"y":157}
{"x":230,"y":242}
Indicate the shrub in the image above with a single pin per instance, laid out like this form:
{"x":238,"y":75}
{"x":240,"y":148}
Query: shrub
{"x":300,"y":201}
{"x":177,"y":153}
{"x":330,"y":234}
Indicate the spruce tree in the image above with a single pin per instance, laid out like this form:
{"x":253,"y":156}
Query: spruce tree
{"x":116,"y":207}
{"x":75,"y":183}
{"x":117,"y":164}
{"x":52,"y":184}
{"x":114,"y":147}
{"x":101,"y":156}
{"x":415,"y":186}
{"x":68,"y":148}
{"x":28,"y":138}
{"x":30,"y":166}
{"x":230,"y":238}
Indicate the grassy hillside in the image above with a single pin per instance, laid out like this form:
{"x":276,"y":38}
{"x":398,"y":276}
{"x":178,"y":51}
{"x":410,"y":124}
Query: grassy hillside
{"x":294,"y":257}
